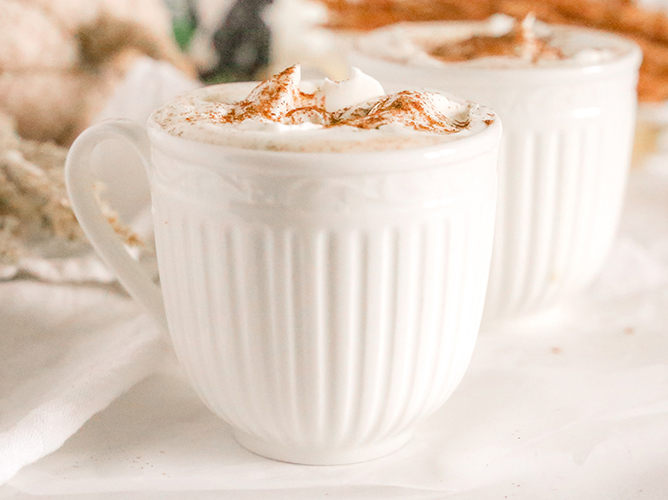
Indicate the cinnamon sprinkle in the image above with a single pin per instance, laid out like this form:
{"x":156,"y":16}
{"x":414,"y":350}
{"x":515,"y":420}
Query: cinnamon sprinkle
{"x":521,"y":42}
{"x":280,"y":100}
{"x":408,"y":108}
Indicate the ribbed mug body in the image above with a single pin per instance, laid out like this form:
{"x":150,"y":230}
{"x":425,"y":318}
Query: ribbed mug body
{"x":563,"y":169}
{"x":323,"y":304}
{"x":564,"y":160}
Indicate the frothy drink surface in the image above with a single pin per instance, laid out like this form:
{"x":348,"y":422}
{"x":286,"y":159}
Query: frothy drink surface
{"x":501,"y":41}
{"x":285,"y":113}
{"x":520,"y":41}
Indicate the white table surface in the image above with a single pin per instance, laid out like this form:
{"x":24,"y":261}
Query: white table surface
{"x":571,"y":404}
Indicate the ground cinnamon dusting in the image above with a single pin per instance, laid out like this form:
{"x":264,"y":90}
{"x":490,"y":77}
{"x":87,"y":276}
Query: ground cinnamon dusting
{"x":279,"y":100}
{"x":519,"y":42}
{"x":406,"y":107}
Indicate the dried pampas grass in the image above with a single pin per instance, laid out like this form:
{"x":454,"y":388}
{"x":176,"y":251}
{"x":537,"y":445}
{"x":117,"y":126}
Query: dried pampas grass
{"x":34,"y":206}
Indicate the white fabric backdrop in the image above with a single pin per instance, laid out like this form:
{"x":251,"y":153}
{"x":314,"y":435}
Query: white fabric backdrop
{"x":571,"y":404}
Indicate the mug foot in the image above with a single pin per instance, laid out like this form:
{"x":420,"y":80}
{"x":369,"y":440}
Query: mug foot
{"x":320,"y":455}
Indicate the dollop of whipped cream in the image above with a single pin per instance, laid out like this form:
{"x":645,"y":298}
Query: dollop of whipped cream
{"x":287,"y":113}
{"x":358,"y":102}
{"x":358,"y":88}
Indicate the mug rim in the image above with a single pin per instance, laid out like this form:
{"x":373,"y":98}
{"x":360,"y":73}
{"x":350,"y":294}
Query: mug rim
{"x":319,"y":163}
{"x":630,"y":56}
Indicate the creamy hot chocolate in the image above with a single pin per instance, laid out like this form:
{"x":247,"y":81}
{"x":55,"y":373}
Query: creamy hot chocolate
{"x":521,"y":41}
{"x":289,"y":114}
{"x":501,"y":41}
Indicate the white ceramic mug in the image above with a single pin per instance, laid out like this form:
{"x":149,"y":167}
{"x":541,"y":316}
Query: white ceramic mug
{"x":565,"y":155}
{"x":321,"y":303}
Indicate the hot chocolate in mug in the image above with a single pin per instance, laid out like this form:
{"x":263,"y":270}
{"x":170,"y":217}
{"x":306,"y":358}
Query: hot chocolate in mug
{"x":321,"y":303}
{"x":566,"y":149}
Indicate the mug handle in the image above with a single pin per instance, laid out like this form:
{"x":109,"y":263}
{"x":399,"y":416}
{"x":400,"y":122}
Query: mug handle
{"x":79,"y":181}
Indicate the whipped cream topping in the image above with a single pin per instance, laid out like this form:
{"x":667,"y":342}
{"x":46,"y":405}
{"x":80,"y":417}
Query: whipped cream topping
{"x":497,"y":42}
{"x":520,"y":41}
{"x":344,"y":94}
{"x":286,"y":113}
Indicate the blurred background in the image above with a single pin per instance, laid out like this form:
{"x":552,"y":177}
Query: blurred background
{"x":236,"y":39}
{"x":65,"y":64}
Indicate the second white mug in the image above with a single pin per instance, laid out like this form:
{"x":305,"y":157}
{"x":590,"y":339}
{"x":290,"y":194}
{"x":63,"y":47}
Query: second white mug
{"x":565,"y":156}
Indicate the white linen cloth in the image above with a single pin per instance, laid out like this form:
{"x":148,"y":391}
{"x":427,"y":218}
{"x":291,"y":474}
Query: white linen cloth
{"x":67,"y":352}
{"x":571,"y":404}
